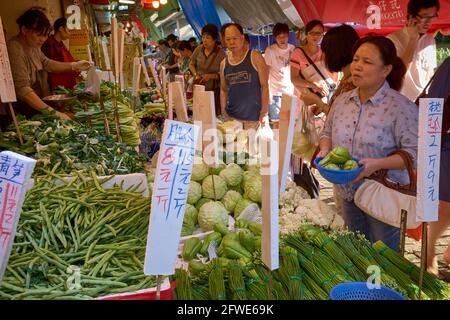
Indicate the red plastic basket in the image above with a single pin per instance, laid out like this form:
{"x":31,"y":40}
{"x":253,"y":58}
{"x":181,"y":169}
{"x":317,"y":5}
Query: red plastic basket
{"x":167,"y":289}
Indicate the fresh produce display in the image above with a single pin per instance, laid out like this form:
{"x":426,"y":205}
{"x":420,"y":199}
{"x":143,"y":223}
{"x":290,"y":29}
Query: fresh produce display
{"x":78,"y":225}
{"x":129,"y":122}
{"x":67,"y":146}
{"x":312,"y":262}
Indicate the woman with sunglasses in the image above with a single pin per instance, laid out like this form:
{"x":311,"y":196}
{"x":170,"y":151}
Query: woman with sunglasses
{"x":416,"y":47}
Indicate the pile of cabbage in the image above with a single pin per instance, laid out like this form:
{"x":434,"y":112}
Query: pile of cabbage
{"x":217,"y":193}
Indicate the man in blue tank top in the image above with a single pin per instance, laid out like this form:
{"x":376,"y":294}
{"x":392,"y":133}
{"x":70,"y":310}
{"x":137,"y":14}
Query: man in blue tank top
{"x":244,"y":82}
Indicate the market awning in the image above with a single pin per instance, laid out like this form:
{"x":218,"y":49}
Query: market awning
{"x":199,"y":13}
{"x":254,"y":14}
{"x":393,"y":13}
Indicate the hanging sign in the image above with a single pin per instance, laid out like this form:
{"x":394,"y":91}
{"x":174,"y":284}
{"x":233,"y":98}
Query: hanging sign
{"x":428,"y":159}
{"x":172,"y":180}
{"x":15,"y":173}
{"x":7,"y":91}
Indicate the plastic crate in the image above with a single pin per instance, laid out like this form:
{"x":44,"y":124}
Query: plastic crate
{"x":166,"y":293}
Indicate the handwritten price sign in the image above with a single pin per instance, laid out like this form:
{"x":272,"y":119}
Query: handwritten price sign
{"x":15,"y":172}
{"x":429,"y":155}
{"x":172,"y":180}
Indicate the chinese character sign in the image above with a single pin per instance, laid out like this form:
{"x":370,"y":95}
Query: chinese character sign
{"x":15,"y":172}
{"x":7,"y":91}
{"x":428,"y":163}
{"x":170,"y":191}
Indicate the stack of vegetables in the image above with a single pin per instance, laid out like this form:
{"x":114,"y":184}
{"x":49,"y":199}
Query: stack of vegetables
{"x":232,"y":136}
{"x":70,"y":146}
{"x":76,"y":240}
{"x":339,"y":159}
{"x":129,"y":122}
{"x":312,"y":262}
{"x":216,"y":193}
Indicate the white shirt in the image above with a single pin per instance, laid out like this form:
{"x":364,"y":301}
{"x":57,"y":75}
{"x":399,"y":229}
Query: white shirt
{"x":277,"y":60}
{"x":422,"y":67}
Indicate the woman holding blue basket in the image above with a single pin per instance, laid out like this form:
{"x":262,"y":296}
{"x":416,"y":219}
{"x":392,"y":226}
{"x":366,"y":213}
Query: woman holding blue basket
{"x":371,"y":122}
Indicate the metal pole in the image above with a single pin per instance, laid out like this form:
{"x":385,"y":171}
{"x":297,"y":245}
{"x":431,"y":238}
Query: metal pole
{"x":423,"y":257}
{"x":403,"y":224}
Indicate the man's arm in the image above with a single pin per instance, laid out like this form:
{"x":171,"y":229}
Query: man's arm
{"x":261,"y":67}
{"x":407,"y":54}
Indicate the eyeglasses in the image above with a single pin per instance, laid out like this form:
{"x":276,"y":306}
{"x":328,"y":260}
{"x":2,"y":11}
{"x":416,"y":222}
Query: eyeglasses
{"x":428,"y":18}
{"x":316,"y":34}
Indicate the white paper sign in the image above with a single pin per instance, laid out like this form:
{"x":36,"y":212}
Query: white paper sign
{"x":428,"y":159}
{"x":177,"y":101}
{"x":136,"y":75}
{"x":204,"y":115}
{"x":172,"y":180}
{"x":7,"y":91}
{"x":155,"y":75}
{"x":285,"y":137}
{"x":147,"y":78}
{"x":106,"y":55}
{"x":15,"y":173}
{"x":270,"y":229}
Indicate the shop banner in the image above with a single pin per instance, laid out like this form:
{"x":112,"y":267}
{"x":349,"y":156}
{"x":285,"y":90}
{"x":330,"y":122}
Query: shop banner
{"x":172,"y":180}
{"x":15,"y":173}
{"x":428,"y":159}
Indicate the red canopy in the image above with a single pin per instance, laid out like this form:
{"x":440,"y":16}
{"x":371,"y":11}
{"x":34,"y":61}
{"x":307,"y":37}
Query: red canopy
{"x":393,"y":13}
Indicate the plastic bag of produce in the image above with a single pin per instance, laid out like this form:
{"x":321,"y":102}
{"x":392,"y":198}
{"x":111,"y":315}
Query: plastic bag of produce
{"x":306,"y":138}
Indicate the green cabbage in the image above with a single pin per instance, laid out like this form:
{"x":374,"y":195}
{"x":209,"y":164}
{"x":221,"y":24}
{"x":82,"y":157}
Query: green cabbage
{"x":230,"y":200}
{"x":201,"y":202}
{"x":212,"y":213}
{"x":246,"y":176}
{"x":199,"y":170}
{"x":219,"y":168}
{"x":214,"y":191}
{"x":195,"y":192}
{"x":190,"y":220}
{"x":232,"y":175}
{"x":240,"y":206}
{"x":253,"y":188}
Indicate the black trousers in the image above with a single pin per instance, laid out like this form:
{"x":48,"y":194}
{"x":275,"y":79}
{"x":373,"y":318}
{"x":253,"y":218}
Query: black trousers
{"x":307,"y":181}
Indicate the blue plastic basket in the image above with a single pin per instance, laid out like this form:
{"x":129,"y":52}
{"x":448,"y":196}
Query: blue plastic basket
{"x":359,"y":291}
{"x":338,"y":177}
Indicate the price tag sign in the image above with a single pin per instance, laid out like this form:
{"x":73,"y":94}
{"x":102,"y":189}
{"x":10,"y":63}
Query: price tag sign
{"x":172,"y":180}
{"x":15,"y":173}
{"x":428,"y":159}
{"x":7,"y":91}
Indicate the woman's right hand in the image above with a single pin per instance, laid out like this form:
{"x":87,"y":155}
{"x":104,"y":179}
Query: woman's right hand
{"x":323,"y":152}
{"x":318,"y":89}
{"x":62,"y":116}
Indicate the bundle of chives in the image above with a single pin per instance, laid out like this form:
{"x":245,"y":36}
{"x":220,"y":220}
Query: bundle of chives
{"x":217,"y":282}
{"x":289,"y":263}
{"x":256,"y":288}
{"x":325,"y":243}
{"x":364,"y":247}
{"x":200,"y":292}
{"x":432,"y":286}
{"x":313,"y":287}
{"x":183,"y":290}
{"x":346,"y":244}
{"x":321,"y":276}
{"x":317,"y":256}
{"x":279,"y":293}
{"x":236,"y":283}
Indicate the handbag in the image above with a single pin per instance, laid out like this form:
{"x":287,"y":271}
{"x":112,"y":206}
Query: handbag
{"x":384,"y":199}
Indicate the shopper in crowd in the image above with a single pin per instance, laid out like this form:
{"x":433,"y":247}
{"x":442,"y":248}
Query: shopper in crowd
{"x":205,"y":63}
{"x":172,"y":40}
{"x":337,"y":45}
{"x":28,"y":63}
{"x":185,"y":50}
{"x":299,"y":61}
{"x":193,"y":43}
{"x":372,"y":121}
{"x":245,"y":87}
{"x":222,"y":36}
{"x":171,"y":62}
{"x":440,"y":88}
{"x":417,"y":47}
{"x":163,"y":51}
{"x":277,"y":58}
{"x":55,"y":49}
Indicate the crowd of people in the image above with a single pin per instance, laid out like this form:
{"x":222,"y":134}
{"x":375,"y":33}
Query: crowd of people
{"x":365,"y":89}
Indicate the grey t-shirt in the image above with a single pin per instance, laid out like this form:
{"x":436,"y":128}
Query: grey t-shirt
{"x":201,"y":62}
{"x":27,"y":66}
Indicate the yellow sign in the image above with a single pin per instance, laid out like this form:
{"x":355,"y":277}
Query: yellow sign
{"x":79,"y":52}
{"x":79,"y":37}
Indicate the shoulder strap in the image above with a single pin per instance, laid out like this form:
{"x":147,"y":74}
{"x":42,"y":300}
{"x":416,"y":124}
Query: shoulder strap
{"x":312,"y":63}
